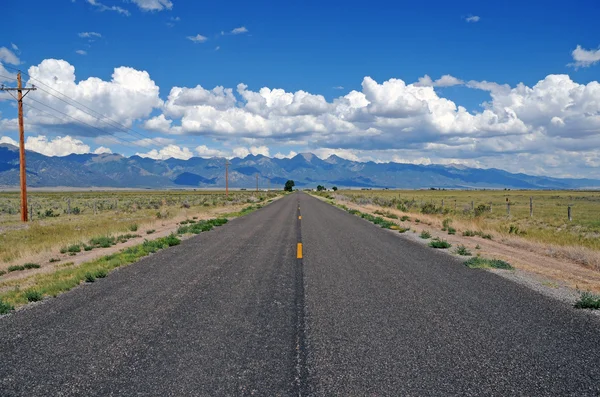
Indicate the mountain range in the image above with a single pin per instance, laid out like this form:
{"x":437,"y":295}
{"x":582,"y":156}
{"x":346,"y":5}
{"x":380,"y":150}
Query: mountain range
{"x":306,"y":169}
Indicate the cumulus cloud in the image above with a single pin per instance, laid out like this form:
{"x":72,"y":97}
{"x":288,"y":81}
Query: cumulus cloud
{"x":103,"y":150}
{"x":102,"y":7}
{"x":153,"y":5}
{"x":130,"y":95}
{"x":240,"y":30}
{"x":206,"y":152}
{"x":59,"y":146}
{"x":584,"y":58}
{"x":444,"y":81}
{"x":170,"y":151}
{"x":472,"y":19}
{"x":285,"y":156}
{"x":197,"y":38}
{"x":242,"y":152}
{"x":9,"y":140}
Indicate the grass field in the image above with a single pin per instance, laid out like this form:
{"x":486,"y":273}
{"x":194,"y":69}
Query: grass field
{"x":61,"y":219}
{"x":487,"y":211}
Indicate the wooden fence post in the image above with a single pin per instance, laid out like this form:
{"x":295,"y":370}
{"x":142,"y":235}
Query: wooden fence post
{"x":508,"y":208}
{"x":69,"y":206}
{"x":569,"y":213}
{"x":472,"y":206}
{"x":531,"y":207}
{"x":490,"y":206}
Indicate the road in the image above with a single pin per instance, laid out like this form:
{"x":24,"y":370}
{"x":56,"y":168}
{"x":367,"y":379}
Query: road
{"x":234,"y":311}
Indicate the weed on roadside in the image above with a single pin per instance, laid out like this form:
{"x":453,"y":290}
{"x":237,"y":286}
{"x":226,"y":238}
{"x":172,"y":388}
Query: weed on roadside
{"x":133,"y":227}
{"x":5,"y":307}
{"x":587,"y":300}
{"x":33,"y":295}
{"x":462,"y":250}
{"x":425,"y":234}
{"x":89,"y":278}
{"x":150,"y":231}
{"x":482,"y":263}
{"x":15,"y":268}
{"x":31,"y":266}
{"x":439,"y":244}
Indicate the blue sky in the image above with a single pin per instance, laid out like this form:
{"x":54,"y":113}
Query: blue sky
{"x":318,"y":47}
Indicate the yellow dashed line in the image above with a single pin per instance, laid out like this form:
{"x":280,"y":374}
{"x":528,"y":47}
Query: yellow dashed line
{"x":299,"y":256}
{"x":299,"y":216}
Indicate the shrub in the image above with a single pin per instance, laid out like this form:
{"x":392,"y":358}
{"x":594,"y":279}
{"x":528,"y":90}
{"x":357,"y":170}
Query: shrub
{"x":15,"y":268}
{"x":172,"y":240}
{"x":429,"y":208}
{"x":446,"y":223}
{"x":5,"y":307}
{"x":2,"y":272}
{"x":33,"y":295}
{"x":439,"y":244}
{"x":481,"y":209}
{"x":133,"y":227}
{"x":425,"y":234}
{"x":462,"y":250}
{"x":587,"y":300}
{"x":101,"y":273}
{"x":405,"y":218}
{"x":89,"y":278}
{"x":478,"y":247}
{"x":150,"y":231}
{"x":354,"y":212}
{"x":74,"y":248}
{"x":63,"y":250}
{"x":482,"y":263}
{"x":402,"y":207}
{"x":194,"y":217}
{"x":52,"y":260}
{"x":451,"y":230}
{"x":102,"y":241}
{"x":417,"y":220}
{"x":76,"y":211}
{"x":468,"y":233}
{"x":31,"y":266}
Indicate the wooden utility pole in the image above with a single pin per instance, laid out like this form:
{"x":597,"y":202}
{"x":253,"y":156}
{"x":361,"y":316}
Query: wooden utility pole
{"x":226,"y":178}
{"x":257,"y":183}
{"x":19,"y":99}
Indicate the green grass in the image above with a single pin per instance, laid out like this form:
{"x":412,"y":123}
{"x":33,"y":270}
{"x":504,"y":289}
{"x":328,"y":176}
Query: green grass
{"x":482,"y":263}
{"x":587,"y":300}
{"x":66,"y":278}
{"x":15,"y":268}
{"x":201,"y":226}
{"x":5,"y":307}
{"x":31,"y":266}
{"x":100,"y":273}
{"x":462,"y":250}
{"x":441,"y":244}
{"x":33,"y":296}
{"x":89,"y":277}
{"x":451,"y":230}
{"x":133,"y":227}
{"x":74,"y":248}
{"x":425,"y":234}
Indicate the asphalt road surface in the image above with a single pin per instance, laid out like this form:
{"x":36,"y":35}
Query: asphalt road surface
{"x":364,"y":312}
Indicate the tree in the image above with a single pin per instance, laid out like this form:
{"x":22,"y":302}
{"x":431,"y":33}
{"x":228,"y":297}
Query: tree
{"x":334,"y":188}
{"x":289,"y":186}
{"x":320,"y":188}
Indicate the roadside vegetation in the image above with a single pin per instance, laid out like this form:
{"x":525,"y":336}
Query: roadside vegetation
{"x":65,"y":222}
{"x":587,"y":300}
{"x":482,"y":263}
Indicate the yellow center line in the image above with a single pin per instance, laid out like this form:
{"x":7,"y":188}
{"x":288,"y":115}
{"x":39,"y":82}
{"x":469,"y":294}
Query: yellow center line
{"x":299,"y":256}
{"x":299,"y":216}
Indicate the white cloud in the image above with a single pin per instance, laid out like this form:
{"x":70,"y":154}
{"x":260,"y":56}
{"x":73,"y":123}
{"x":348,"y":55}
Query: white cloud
{"x":14,"y":47}
{"x":338,"y":87}
{"x":285,"y":156}
{"x":584,"y":58}
{"x":158,"y":124}
{"x":472,"y":18}
{"x":206,"y":152}
{"x":81,"y":52}
{"x":103,"y":150}
{"x":242,"y":152}
{"x":9,"y":140}
{"x":153,"y":5}
{"x":240,"y":30}
{"x":102,"y":7}
{"x":59,"y":146}
{"x":197,"y":38}
{"x":157,"y":141}
{"x":130,"y":95}
{"x":444,"y":81}
{"x":217,"y":48}
{"x":7,"y":56}
{"x":170,"y":151}
{"x":89,"y":34}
